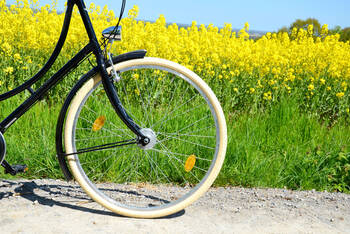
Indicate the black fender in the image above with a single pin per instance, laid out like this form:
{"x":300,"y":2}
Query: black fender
{"x":129,"y":55}
{"x":137,"y":54}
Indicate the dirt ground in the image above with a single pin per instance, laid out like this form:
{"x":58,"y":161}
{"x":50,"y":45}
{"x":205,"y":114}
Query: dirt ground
{"x":53,"y":206}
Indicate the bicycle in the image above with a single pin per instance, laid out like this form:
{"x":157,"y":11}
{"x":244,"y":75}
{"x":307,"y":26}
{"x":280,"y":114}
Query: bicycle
{"x":130,"y":126}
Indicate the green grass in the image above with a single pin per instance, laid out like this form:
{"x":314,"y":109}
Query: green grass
{"x":278,"y":147}
{"x":285,"y":147}
{"x":31,"y":140}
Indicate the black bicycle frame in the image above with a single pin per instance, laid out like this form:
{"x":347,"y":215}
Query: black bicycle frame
{"x":92,"y":47}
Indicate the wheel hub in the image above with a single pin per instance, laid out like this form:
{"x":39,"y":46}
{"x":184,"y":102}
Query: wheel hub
{"x":151,"y":138}
{"x":2,"y":147}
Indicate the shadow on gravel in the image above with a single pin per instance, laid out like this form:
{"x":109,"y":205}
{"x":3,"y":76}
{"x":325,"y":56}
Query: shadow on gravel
{"x":31,"y":192}
{"x":6,"y":194}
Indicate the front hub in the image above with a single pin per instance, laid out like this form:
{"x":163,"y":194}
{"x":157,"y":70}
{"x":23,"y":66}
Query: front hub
{"x":2,"y":147}
{"x":150,"y":140}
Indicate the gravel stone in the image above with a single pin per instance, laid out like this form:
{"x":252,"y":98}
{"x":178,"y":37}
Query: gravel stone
{"x":64,"y":208}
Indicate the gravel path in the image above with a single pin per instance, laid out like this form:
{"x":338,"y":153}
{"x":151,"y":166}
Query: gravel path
{"x":53,"y":206}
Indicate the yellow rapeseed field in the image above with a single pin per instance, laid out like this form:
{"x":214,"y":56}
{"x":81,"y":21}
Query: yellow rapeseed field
{"x":315,"y":70}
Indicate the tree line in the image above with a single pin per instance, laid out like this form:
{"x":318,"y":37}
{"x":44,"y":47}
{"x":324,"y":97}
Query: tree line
{"x":317,"y":28}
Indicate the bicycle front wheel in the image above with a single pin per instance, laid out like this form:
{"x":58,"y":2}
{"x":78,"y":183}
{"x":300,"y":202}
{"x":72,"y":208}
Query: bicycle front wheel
{"x":176,"y":110}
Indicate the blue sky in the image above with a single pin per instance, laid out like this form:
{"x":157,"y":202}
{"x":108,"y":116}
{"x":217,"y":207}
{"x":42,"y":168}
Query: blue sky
{"x":265,"y":15}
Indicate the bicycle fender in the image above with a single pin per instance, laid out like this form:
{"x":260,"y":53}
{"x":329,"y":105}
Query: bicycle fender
{"x":137,"y":54}
{"x":60,"y":123}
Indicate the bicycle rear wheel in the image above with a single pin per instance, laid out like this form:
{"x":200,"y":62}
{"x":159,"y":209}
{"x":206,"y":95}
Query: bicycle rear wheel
{"x":176,"y":110}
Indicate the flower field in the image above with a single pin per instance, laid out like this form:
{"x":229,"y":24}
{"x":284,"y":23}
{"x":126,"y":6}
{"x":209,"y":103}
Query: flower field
{"x":242,"y":71}
{"x":297,"y":72}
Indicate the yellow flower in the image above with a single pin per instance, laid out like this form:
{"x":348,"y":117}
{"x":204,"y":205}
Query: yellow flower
{"x":340,"y":95}
{"x":251,"y":90}
{"x":17,"y":56}
{"x":246,"y":26}
{"x":310,"y":29}
{"x":8,"y":70}
{"x":272,"y":82}
{"x":7,"y":48}
{"x":311,"y":87}
{"x":268,"y":95}
{"x":135,"y":76}
{"x":324,"y":30}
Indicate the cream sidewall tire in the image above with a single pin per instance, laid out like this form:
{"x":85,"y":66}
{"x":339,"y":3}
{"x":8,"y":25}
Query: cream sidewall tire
{"x":105,"y":201}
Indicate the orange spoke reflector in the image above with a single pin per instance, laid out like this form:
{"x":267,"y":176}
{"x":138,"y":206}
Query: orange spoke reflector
{"x":98,"y":124}
{"x":189,"y":164}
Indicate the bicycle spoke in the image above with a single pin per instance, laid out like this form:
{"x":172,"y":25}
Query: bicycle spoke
{"x":130,"y":112}
{"x":149,"y":96}
{"x":189,"y":135}
{"x":109,"y":108}
{"x":193,"y":123}
{"x":172,"y":96}
{"x":198,"y":180}
{"x":142,"y":104}
{"x":170,"y":157}
{"x":162,"y":120}
{"x":98,"y":159}
{"x":126,"y":169}
{"x":193,"y":143}
{"x":179,"y":154}
{"x":103,"y":129}
{"x":194,"y":131}
{"x":151,"y":164}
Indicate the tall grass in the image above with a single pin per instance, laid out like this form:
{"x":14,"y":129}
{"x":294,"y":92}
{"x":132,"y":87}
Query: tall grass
{"x":31,"y":140}
{"x":279,"y":147}
{"x":287,"y":147}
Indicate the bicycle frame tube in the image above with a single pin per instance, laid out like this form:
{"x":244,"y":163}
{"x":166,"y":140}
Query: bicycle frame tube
{"x":93,"y":47}
{"x":27,"y":104}
{"x":51,"y":60}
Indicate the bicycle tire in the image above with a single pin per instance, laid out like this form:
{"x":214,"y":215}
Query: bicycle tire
{"x":157,"y":167}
